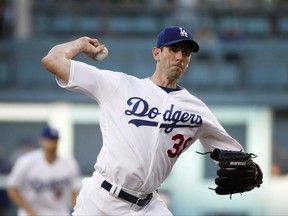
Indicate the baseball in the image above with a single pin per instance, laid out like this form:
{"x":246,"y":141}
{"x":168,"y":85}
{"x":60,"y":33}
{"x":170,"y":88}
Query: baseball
{"x":102,"y":55}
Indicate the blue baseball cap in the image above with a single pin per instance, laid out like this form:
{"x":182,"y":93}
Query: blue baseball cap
{"x":50,"y":133}
{"x":176,"y":34}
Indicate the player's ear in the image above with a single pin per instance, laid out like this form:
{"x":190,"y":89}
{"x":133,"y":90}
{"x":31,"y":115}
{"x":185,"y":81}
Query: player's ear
{"x":156,"y":51}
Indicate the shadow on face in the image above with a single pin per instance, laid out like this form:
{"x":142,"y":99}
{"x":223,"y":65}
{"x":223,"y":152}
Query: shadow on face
{"x":49,"y":145}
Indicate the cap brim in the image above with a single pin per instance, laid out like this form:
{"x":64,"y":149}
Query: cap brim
{"x":50,"y":137}
{"x":194,"y":47}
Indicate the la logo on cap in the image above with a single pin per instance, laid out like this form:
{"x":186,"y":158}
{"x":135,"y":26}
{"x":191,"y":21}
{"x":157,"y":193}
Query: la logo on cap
{"x":175,"y":34}
{"x":183,"y":33}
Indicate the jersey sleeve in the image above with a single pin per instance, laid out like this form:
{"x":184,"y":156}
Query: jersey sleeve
{"x":213,"y":135}
{"x":17,"y":176}
{"x":75,"y":181}
{"x":93,"y":82}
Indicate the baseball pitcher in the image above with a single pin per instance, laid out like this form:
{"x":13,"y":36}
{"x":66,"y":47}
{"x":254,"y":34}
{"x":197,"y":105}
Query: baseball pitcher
{"x":146,"y":123}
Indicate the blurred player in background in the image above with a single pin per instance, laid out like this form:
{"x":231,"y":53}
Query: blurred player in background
{"x":40,"y":179}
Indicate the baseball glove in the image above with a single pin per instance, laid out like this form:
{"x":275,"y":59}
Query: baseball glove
{"x":238,"y":173}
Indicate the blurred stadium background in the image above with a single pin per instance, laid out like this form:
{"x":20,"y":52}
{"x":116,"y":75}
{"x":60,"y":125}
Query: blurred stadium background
{"x":241,"y":72}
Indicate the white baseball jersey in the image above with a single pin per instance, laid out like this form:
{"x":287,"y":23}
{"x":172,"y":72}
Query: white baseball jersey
{"x":44,"y":185}
{"x":145,"y":129}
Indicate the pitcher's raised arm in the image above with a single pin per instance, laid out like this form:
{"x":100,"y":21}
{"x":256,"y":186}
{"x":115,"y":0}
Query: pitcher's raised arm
{"x":57,"y":61}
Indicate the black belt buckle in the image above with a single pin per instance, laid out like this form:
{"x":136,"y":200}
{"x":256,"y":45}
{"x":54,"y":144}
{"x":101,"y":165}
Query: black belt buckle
{"x":144,"y":202}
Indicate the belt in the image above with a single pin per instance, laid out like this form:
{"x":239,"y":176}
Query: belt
{"x":128,"y":197}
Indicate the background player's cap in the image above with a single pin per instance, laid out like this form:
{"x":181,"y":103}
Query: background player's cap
{"x":175,"y":34}
{"x":50,"y":133}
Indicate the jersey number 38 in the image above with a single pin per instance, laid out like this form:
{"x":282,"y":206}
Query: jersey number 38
{"x":179,"y":145}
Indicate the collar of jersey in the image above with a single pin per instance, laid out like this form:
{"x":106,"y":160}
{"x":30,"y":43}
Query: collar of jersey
{"x":168,"y":90}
